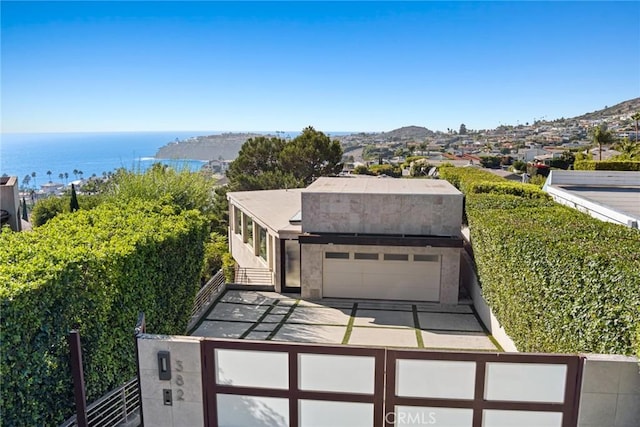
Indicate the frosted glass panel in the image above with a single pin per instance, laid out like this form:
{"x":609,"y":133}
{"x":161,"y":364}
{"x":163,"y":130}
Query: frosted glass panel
{"x":250,"y":411}
{"x":252,"y":368}
{"x":435,"y":378}
{"x":417,"y":416}
{"x":324,"y":372}
{"x":497,"y":418}
{"x":526,"y":382}
{"x":318,"y":413}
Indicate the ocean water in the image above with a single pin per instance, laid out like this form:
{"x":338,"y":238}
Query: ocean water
{"x":92,"y":153}
{"x":22,"y":154}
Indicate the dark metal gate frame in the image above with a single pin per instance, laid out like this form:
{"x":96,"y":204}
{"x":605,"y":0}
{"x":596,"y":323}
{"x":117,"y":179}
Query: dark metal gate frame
{"x":211,"y":389}
{"x":569,"y":408}
{"x":384,"y":398}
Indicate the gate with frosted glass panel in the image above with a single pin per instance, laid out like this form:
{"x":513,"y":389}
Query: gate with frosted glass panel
{"x":282,"y":384}
{"x":481,"y":389}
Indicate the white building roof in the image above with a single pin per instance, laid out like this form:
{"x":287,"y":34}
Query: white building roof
{"x":375,"y":185}
{"x":271,"y":208}
{"x":607,"y":195}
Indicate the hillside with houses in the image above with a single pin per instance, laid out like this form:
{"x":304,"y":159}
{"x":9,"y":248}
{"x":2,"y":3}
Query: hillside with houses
{"x":541,"y":140}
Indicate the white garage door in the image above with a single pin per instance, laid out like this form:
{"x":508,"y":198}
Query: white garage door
{"x":381,"y":276}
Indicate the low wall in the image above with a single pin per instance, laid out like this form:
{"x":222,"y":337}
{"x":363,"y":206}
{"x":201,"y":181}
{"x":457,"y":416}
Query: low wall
{"x":609,"y":387}
{"x":610,"y":392}
{"x":469,"y":279}
{"x":178,"y":400}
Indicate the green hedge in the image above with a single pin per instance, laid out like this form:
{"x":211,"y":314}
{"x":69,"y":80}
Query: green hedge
{"x":93,"y":270}
{"x":529,"y":191}
{"x":505,"y":201}
{"x":48,"y":208}
{"x":557,"y":279}
{"x":461,"y":177}
{"x":592,"y":165}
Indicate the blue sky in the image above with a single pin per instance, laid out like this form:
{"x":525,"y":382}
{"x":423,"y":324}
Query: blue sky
{"x":342,"y":66}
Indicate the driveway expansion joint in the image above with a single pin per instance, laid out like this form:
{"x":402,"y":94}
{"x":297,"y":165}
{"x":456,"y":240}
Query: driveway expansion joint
{"x":352,"y":319}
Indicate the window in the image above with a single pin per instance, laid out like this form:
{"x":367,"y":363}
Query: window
{"x":360,"y":255}
{"x":249,"y":231}
{"x":427,"y":258}
{"x":263,"y":243}
{"x":336,"y":255}
{"x":237,"y":220}
{"x":396,"y":257}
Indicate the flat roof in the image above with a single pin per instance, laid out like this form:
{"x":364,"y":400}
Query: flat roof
{"x":608,"y":195}
{"x":274,"y":207}
{"x":378,"y":185}
{"x":622,"y":199}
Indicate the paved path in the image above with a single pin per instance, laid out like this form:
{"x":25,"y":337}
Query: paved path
{"x":257,"y":315}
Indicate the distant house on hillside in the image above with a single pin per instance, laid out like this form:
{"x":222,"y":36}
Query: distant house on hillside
{"x":529,"y":154}
{"x":52,"y":188}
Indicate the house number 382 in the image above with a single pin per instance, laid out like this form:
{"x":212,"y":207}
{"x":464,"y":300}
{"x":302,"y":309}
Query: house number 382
{"x":179,"y":380}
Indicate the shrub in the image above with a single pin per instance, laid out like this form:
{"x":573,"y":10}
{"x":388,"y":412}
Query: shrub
{"x":182,"y":188}
{"x":519,"y":165}
{"x":49,"y":208}
{"x":491,"y":162}
{"x":488,"y":201}
{"x":592,"y":165}
{"x":459,"y":177}
{"x":529,"y":191}
{"x":93,"y":270}
{"x":216,"y":256}
{"x":362,"y":170}
{"x":389,"y":170}
{"x":558,"y":280}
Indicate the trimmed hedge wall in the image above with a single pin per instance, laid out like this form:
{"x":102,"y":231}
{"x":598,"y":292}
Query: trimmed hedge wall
{"x":462,"y":177}
{"x":558,"y":280}
{"x":529,"y":191}
{"x":93,"y":270}
{"x":592,"y":165}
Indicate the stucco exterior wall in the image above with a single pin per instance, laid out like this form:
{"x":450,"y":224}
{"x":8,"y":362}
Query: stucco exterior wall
{"x":185,"y":385}
{"x":243,"y":253}
{"x":10,"y":201}
{"x":313,"y":258}
{"x":404,"y":214}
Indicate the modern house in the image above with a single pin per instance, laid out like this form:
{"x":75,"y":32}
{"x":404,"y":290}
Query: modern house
{"x":357,"y":237}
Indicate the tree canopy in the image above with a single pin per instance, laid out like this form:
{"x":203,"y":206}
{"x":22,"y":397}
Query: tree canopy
{"x":270,"y":162}
{"x":601,"y":136}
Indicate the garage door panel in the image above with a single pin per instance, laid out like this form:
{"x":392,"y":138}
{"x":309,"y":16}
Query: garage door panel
{"x":380,"y":279}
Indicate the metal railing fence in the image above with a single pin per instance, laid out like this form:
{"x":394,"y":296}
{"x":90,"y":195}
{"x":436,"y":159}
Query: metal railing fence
{"x":115,"y":408}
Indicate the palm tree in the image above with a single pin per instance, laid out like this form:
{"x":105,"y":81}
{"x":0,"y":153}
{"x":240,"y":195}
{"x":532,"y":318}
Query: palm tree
{"x":636,"y":118}
{"x":80,"y":173}
{"x":33,"y":175}
{"x":26,"y":180}
{"x":61,"y":176}
{"x":601,"y":136}
{"x":49,"y":173}
{"x":66,"y":177}
{"x":75,"y":173}
{"x":629,"y":150}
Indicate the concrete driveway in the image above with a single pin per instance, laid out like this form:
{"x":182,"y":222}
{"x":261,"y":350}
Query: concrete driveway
{"x":257,"y":315}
